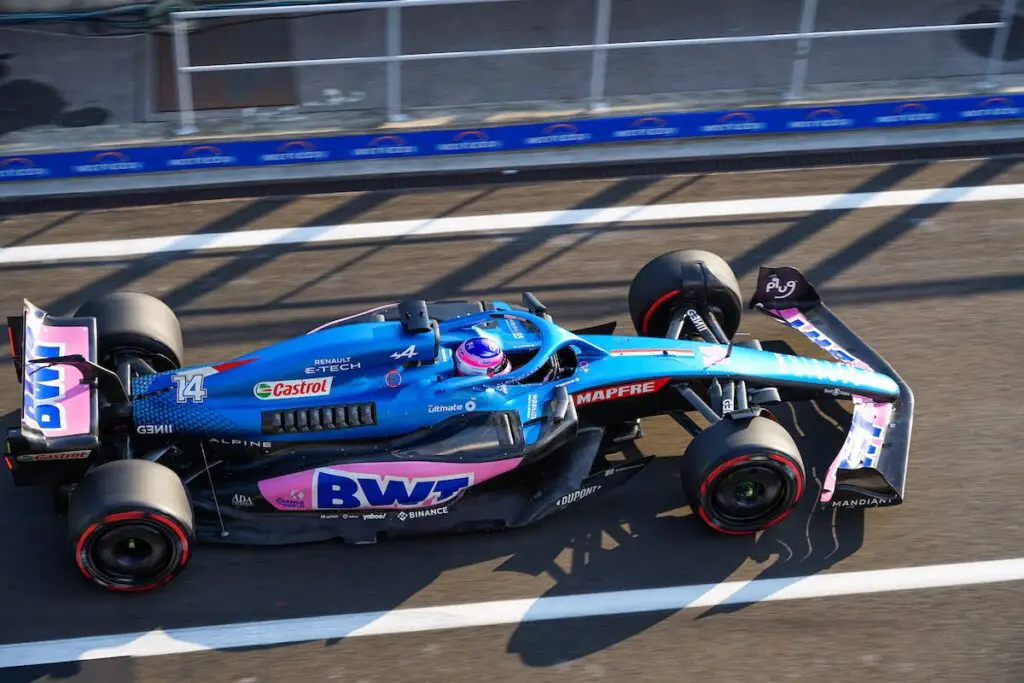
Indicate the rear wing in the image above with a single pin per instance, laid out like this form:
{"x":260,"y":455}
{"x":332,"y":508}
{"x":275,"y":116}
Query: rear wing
{"x":871,"y":468}
{"x":59,"y":409}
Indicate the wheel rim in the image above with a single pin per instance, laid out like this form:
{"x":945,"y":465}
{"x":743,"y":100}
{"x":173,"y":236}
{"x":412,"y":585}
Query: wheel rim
{"x":750,"y":495}
{"x":139,"y":553}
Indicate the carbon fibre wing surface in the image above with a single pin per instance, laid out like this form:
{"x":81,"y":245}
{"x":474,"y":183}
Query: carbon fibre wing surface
{"x":871,"y":467}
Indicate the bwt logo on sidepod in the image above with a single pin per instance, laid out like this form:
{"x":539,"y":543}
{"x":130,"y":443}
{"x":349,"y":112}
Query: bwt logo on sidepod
{"x":823,"y":118}
{"x":109,"y":161}
{"x":735,"y":121}
{"x":993,"y":107}
{"x":647,"y":127}
{"x":203,"y":155}
{"x":910,"y":112}
{"x":385,"y":145}
{"x":296,"y":150}
{"x":341,"y":490}
{"x":21,"y":167}
{"x":44,"y":386}
{"x":469,"y":140}
{"x":558,"y":132}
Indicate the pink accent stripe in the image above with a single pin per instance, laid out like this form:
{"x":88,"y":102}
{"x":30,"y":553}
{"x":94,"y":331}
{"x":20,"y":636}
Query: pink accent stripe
{"x":350,"y":317}
{"x":295,"y":491}
{"x":469,"y":360}
{"x":868,"y":414}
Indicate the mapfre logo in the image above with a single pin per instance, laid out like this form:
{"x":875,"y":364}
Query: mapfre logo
{"x":294,"y":388}
{"x":620,"y":391}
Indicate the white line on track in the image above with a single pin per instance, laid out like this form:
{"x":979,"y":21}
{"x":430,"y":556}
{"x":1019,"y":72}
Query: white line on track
{"x":254,"y":634}
{"x":509,"y":221}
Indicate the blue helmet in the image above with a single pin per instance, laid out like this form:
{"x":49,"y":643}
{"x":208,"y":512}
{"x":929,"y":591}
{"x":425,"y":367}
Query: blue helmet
{"x":481,"y":356}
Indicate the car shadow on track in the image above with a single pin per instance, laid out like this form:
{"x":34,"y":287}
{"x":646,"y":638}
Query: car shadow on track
{"x":653,"y":549}
{"x":640,"y":536}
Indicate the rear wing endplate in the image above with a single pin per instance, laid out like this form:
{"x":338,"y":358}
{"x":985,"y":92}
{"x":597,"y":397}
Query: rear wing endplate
{"x":871,"y":468}
{"x":59,"y":409}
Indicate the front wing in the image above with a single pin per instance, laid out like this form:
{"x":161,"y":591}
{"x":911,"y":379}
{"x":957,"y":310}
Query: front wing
{"x":871,"y":468}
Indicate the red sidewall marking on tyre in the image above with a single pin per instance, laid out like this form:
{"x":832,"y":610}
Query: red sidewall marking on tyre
{"x":653,"y":307}
{"x":124,"y":516}
{"x":742,"y":458}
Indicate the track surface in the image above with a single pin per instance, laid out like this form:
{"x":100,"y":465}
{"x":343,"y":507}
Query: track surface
{"x":910,"y":279}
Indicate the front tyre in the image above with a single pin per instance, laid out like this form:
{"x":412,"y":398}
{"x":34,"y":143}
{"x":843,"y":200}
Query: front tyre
{"x":743,"y":476}
{"x":659,"y":285}
{"x":130,"y":526}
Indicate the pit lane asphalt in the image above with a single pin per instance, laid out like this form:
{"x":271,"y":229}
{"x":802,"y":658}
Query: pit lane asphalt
{"x":935,"y":289}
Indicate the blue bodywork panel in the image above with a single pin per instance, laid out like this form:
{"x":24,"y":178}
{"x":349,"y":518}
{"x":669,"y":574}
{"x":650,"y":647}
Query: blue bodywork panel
{"x":388,"y":381}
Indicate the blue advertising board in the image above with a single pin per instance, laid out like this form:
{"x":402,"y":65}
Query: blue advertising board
{"x":554,"y":134}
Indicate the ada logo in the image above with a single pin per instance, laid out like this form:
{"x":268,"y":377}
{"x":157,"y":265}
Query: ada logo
{"x":293,"y":388}
{"x":620,"y":391}
{"x":240,"y":501}
{"x":341,"y":490}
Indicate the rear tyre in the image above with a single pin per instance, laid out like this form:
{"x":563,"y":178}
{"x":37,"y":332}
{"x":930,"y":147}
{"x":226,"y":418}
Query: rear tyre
{"x":742,"y":477}
{"x":136,"y":323}
{"x":130,"y":526}
{"x":659,"y":283}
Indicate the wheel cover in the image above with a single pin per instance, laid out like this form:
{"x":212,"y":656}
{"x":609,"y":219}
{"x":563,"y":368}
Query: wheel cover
{"x":750,"y":494}
{"x":745,"y":494}
{"x":136,"y":553}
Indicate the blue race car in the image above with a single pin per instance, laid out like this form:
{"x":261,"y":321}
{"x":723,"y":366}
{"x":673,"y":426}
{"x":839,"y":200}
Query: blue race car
{"x":375,"y":425}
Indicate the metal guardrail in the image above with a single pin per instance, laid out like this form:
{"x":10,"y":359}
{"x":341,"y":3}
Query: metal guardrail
{"x":598,"y":48}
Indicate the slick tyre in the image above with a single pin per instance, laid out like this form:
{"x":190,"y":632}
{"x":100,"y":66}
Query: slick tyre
{"x":136,"y":323}
{"x":130,"y":526}
{"x":742,"y":477}
{"x":658,"y":284}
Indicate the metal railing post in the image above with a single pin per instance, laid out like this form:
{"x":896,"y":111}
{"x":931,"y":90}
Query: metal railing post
{"x":803,"y":51}
{"x":183,"y":79}
{"x":394,"y":70}
{"x":999,"y":43}
{"x":599,"y":64}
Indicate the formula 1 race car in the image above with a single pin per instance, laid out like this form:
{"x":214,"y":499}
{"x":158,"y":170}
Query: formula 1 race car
{"x":361,"y":428}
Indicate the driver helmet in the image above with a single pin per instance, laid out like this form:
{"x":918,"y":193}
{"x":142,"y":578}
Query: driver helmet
{"x":481,"y":356}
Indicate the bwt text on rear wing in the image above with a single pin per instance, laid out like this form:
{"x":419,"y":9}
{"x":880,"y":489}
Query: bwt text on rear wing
{"x":60,"y":406}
